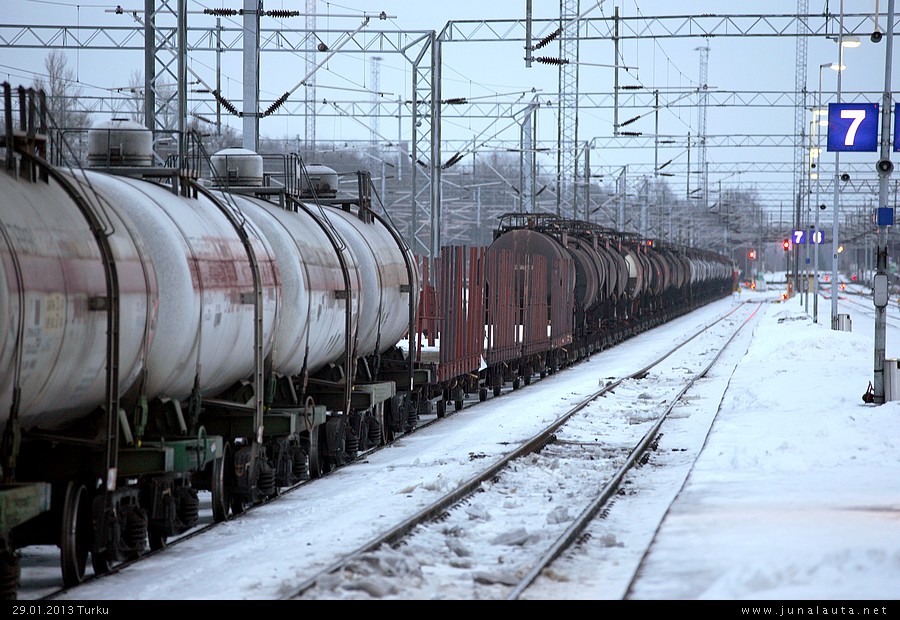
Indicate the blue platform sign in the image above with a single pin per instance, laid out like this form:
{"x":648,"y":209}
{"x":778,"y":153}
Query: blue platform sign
{"x":853,"y":127}
{"x":802,"y":237}
{"x":896,"y":127}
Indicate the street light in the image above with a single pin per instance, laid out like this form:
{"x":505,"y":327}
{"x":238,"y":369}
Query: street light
{"x":837,"y":180}
{"x":819,"y":109}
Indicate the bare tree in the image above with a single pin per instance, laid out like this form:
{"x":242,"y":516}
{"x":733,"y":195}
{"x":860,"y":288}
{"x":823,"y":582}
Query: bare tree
{"x":135,"y":96}
{"x":63,"y":92}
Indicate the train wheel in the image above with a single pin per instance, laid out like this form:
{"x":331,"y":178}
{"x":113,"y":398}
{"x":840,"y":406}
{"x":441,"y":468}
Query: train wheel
{"x":497,"y":389}
{"x":220,"y":484}
{"x":527,"y":379}
{"x":458,"y":404}
{"x":517,"y":382}
{"x":9,"y":575}
{"x":482,"y":394}
{"x":441,"y":408}
{"x":75,"y":534}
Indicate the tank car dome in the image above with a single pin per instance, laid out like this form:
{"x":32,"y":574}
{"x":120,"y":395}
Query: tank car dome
{"x":322,"y":179}
{"x":119,"y":142}
{"x":236,"y":167}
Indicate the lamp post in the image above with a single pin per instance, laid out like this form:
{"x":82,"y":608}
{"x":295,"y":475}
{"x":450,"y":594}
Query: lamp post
{"x":835,"y":284}
{"x":885,"y":167}
{"x":809,"y":227}
{"x":818,"y":123}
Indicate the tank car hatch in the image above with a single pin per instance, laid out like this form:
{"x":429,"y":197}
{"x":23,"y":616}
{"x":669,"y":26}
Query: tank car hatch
{"x":120,"y":142}
{"x":236,"y":167}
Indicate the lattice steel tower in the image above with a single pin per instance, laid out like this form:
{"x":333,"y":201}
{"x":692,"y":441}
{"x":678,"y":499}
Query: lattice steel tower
{"x":375,"y":86}
{"x":568,"y":109}
{"x":702,"y":104}
{"x":165,"y":51}
{"x":310,"y":94}
{"x":801,"y":173}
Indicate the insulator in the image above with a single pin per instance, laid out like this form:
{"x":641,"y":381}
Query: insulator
{"x":278,"y":103}
{"x":200,"y":117}
{"x":630,"y":133}
{"x":456,"y":101}
{"x":551,"y":61}
{"x":221,"y":12}
{"x":543,"y":42}
{"x":280,"y":13}
{"x":453,"y":160}
{"x":225,"y":103}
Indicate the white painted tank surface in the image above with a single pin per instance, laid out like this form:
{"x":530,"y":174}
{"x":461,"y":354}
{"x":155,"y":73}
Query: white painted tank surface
{"x":186,"y":291}
{"x":384,"y":307}
{"x":312,"y":275}
{"x":701,"y":270}
{"x":636,"y":282}
{"x":312,"y":318}
{"x":50,"y":268}
{"x":183,"y":273}
{"x":204,"y":320}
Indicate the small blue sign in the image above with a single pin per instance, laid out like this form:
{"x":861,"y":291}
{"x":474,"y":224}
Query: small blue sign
{"x":896,"y":128}
{"x":853,"y":127}
{"x":884,"y":216}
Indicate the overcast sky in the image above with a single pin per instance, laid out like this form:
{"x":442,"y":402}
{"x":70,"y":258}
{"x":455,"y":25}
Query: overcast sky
{"x":495,"y":72}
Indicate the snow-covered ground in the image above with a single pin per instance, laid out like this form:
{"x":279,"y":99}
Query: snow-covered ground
{"x":795,"y":495}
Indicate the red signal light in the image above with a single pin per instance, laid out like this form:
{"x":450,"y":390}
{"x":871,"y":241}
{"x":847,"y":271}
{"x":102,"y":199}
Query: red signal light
{"x":751,"y":254}
{"x":786,"y":244}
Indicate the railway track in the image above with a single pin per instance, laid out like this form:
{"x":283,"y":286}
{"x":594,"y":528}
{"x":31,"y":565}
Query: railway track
{"x":572,"y":454}
{"x":863,"y":303}
{"x":432,"y":502}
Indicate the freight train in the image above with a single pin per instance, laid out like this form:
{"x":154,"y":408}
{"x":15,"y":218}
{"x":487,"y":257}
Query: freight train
{"x":549,"y":292}
{"x":165,"y":332}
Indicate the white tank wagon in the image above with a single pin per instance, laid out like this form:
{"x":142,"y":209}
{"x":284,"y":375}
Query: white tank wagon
{"x":183,"y":273}
{"x":159,"y":336}
{"x":310,"y":333}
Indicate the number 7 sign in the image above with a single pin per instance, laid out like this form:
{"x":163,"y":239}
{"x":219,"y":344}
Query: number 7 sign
{"x":853,"y":127}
